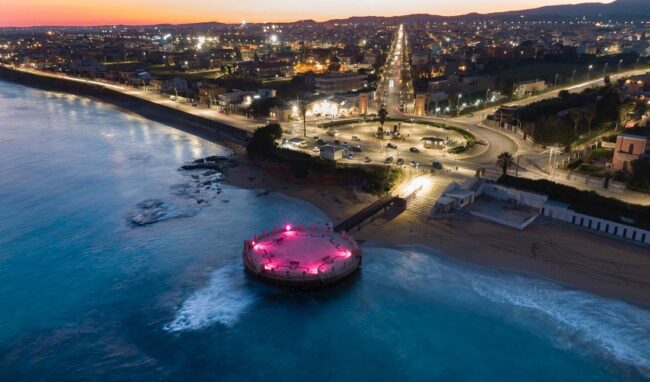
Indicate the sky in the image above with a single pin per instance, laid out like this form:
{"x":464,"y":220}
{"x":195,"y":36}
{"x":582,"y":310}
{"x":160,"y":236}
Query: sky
{"x":107,"y":12}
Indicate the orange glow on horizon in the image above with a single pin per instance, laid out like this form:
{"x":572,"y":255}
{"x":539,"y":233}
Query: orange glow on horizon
{"x":104,"y":12}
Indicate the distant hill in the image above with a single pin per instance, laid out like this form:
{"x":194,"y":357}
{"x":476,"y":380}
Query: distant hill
{"x":638,"y":8}
{"x":619,"y":8}
{"x":635,"y":8}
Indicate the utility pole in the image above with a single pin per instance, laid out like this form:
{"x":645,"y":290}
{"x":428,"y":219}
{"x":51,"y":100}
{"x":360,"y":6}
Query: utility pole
{"x":517,"y":168}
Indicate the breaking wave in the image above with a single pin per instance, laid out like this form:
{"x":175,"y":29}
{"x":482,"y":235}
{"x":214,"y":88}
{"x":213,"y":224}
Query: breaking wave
{"x":222,"y":301}
{"x":618,"y":330}
{"x":604,"y":327}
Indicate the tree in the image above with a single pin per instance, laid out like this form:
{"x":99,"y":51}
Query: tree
{"x":263,"y":142}
{"x":608,"y":81}
{"x":504,"y":160}
{"x":625,"y":111}
{"x":383,"y":114}
{"x":640,"y":175}
{"x":589,"y":114}
{"x":508,"y":87}
{"x":576,"y":117}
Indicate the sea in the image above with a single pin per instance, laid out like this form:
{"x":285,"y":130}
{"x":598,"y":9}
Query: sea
{"x":116,"y":265}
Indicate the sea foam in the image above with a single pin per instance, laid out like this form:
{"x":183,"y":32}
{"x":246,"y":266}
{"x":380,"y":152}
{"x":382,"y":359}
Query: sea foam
{"x":605,"y":327}
{"x":222,"y":301}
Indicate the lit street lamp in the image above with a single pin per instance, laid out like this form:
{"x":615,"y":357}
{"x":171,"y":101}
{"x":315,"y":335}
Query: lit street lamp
{"x":589,"y":72}
{"x":619,"y":65}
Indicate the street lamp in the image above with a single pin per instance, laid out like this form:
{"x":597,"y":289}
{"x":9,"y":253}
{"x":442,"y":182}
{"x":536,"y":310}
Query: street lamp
{"x":619,"y":65}
{"x":589,"y":72}
{"x":460,"y":95}
{"x":573,"y":76}
{"x":605,"y":70}
{"x":557,"y":76}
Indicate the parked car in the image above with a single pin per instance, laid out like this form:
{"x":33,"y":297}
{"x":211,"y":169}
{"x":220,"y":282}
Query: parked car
{"x":414,"y":150}
{"x":321,"y":142}
{"x":357,"y":148}
{"x":367,"y":160}
{"x":437,"y":165}
{"x":388,"y":160}
{"x":355,"y":138}
{"x":333,"y":133}
{"x":414,"y":164}
{"x":391,"y":145}
{"x":349,"y":156}
{"x":316,"y":149}
{"x":400,"y":161}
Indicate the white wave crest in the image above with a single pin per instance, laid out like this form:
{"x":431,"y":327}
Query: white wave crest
{"x":223,"y":301}
{"x":616,"y":329}
{"x":608,"y":328}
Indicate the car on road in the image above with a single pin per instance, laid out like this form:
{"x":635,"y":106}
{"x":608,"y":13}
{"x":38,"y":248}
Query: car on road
{"x":388,"y":160}
{"x":316,"y":149}
{"x":414,"y":150}
{"x":482,"y":142}
{"x":391,"y":145}
{"x":333,"y":133}
{"x":355,"y":138}
{"x":320,"y":142}
{"x":357,"y":148}
{"x":436,"y":165}
{"x":349,"y":156}
{"x":470,"y":115}
{"x":400,"y":161}
{"x":367,"y":160}
{"x":414,"y":164}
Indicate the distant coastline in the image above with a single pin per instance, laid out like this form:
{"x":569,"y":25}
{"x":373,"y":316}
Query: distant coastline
{"x":202,"y":127}
{"x":566,"y":255}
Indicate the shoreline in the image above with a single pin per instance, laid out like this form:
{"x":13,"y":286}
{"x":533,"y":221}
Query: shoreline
{"x":565,"y":255}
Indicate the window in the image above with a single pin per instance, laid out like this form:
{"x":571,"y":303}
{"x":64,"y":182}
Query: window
{"x":630,"y":150}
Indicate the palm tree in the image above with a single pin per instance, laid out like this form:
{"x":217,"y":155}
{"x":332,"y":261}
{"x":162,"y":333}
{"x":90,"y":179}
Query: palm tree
{"x":576,"y":116}
{"x":383,"y":114}
{"x":504,"y":160}
{"x":590,"y":115}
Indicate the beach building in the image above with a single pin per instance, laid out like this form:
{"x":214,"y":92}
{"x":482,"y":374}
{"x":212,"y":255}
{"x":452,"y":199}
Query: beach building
{"x":629,"y":147}
{"x":331,"y":152}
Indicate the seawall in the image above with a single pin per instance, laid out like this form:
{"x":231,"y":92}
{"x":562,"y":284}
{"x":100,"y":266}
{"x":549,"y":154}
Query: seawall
{"x":206,"y":128}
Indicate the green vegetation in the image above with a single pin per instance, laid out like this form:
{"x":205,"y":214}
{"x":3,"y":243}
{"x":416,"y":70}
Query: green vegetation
{"x":640,"y":179}
{"x":504,"y":160}
{"x":375,"y":180}
{"x":261,"y":107}
{"x":593,"y":163}
{"x":566,"y":118}
{"x":585,"y":202}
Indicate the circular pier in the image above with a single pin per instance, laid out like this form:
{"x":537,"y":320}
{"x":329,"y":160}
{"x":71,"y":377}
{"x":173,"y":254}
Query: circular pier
{"x":302,"y":257}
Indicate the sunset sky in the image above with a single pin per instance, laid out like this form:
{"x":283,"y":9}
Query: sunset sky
{"x":102,"y":12}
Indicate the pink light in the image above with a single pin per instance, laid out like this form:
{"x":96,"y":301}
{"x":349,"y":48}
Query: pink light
{"x":268,"y":267}
{"x":258,"y":247}
{"x":287,"y":227}
{"x":347,"y":253}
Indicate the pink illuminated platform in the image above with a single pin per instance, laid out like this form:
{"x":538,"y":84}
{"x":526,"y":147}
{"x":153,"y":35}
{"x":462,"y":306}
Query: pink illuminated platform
{"x":303,"y":257}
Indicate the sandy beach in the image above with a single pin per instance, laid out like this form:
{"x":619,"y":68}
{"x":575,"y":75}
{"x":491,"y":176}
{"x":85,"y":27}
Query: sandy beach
{"x":555,"y":251}
{"x":564,"y":254}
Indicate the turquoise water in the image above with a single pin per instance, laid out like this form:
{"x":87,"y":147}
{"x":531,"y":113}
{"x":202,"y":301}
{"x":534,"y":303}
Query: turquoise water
{"x":87,"y":295}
